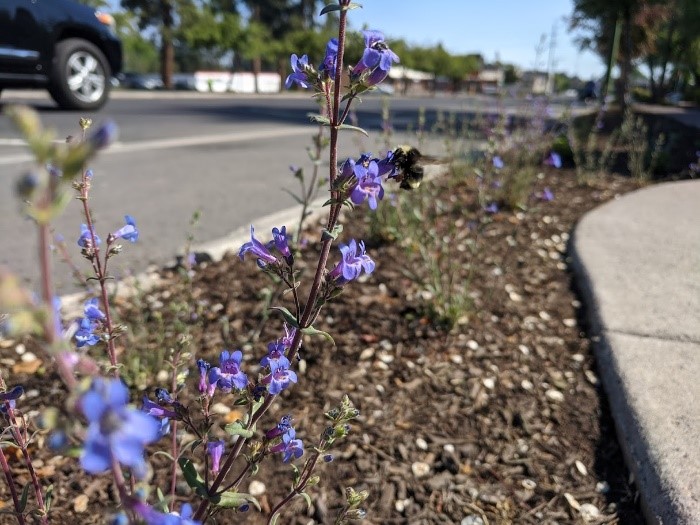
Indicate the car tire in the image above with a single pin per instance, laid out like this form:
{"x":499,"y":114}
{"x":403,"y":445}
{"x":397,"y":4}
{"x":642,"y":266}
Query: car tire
{"x":80,"y":76}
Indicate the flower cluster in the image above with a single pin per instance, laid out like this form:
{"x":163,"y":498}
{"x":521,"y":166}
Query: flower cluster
{"x":372,"y":68}
{"x":376,"y":60}
{"x":227,"y":376}
{"x":287,"y":443}
{"x":160,"y":410}
{"x":264,"y":256}
{"x":280,"y":375}
{"x":91,"y":321}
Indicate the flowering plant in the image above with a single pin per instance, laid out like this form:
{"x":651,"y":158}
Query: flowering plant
{"x":110,"y":434}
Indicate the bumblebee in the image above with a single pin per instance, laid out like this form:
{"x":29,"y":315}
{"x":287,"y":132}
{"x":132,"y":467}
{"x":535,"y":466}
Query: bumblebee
{"x":409,"y":172}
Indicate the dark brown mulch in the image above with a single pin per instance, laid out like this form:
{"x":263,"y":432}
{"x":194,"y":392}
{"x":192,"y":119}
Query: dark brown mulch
{"x":500,"y":420}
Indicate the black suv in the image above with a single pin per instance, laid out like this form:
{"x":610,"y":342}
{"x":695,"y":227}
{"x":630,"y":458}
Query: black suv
{"x":61,"y":45}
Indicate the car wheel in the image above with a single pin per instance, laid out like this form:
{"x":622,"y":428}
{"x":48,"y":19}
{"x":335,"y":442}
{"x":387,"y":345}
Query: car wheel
{"x":80,"y":75}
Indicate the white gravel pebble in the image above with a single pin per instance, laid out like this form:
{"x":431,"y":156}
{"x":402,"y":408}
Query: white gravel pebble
{"x":554,"y":395}
{"x":420,"y":469}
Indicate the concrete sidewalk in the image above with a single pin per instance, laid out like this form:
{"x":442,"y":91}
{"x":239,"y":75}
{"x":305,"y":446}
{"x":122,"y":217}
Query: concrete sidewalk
{"x":637,"y":263}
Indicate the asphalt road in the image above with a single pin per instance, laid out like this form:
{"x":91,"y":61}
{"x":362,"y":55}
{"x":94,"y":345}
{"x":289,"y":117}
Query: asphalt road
{"x":226,"y":156}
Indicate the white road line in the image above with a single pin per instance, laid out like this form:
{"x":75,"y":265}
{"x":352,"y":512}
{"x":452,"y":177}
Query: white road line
{"x":180,"y":142}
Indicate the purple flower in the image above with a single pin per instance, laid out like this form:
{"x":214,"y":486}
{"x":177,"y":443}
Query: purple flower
{"x":329,"y":63}
{"x":228,"y":374}
{"x":386,"y":165}
{"x":281,"y":241}
{"x":289,"y":446}
{"x":347,"y":170}
{"x":289,"y":333}
{"x":204,"y":386}
{"x":85,"y":239}
{"x":164,"y":396}
{"x":85,"y":334}
{"x":127,"y":232}
{"x":547,"y":195}
{"x":298,"y":75}
{"x":280,"y":377}
{"x":554,"y":159}
{"x":275,"y":354}
{"x":10,"y":397}
{"x":498,"y":162}
{"x":369,"y":184}
{"x":376,"y":59}
{"x":354,"y":260}
{"x":116,"y":432}
{"x":491,"y":208}
{"x":92,"y":310}
{"x":156,"y":410}
{"x":152,"y":517}
{"x":164,"y":427}
{"x":258,"y":249}
{"x":283,"y":426}
{"x":104,"y":135}
{"x":215,"y":449}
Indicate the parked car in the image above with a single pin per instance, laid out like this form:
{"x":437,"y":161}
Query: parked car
{"x":589,"y":92}
{"x":130,"y":80}
{"x":60,"y":45}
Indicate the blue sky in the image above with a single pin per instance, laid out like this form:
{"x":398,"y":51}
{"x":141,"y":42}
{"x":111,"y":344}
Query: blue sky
{"x":508,"y":29}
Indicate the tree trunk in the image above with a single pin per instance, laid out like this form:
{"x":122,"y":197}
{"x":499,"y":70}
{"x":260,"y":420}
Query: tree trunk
{"x":257,"y":66}
{"x":626,"y":66}
{"x":167,"y":52}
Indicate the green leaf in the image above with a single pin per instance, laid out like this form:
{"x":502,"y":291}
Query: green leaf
{"x":288,"y":316}
{"x":23,"y":498}
{"x":48,"y":499}
{"x":353,"y":128}
{"x":273,"y":521}
{"x":162,"y":502}
{"x":307,"y":498}
{"x":237,"y":429}
{"x":329,"y":9}
{"x":231,"y":500}
{"x":319,"y":119}
{"x":192,"y":477}
{"x":333,"y":234}
{"x":310,"y":330}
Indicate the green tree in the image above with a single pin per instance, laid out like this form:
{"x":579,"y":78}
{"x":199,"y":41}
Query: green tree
{"x":140,"y":54}
{"x":639,"y":23}
{"x":674,"y":53}
{"x":162,"y":15}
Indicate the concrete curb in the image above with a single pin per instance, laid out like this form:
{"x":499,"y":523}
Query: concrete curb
{"x":648,"y":369}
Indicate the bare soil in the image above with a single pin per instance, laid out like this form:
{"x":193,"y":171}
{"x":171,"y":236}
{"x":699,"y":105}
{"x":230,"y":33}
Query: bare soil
{"x":501,"y":419}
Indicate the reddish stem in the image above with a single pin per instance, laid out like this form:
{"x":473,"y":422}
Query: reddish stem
{"x":100,"y":272}
{"x":11,"y":484}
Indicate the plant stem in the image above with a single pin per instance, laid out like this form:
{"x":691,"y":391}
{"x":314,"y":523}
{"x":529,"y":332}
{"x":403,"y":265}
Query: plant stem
{"x":100,"y":272}
{"x":298,"y":489}
{"x":22,"y":444}
{"x":11,"y":485}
